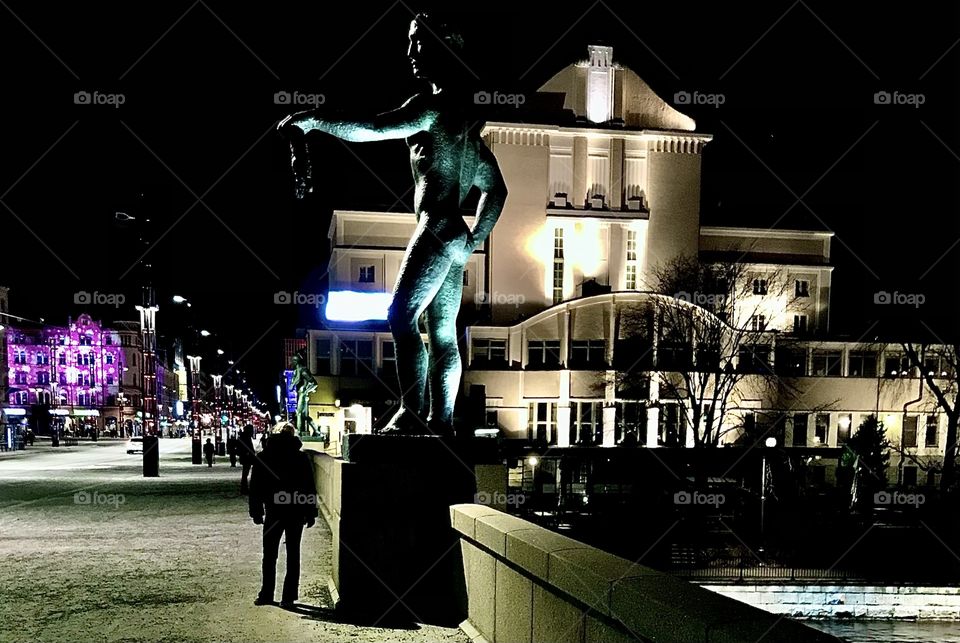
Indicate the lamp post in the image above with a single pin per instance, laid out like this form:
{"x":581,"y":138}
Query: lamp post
{"x":217,"y":382}
{"x":769,"y":443}
{"x":229,"y":404}
{"x":197,"y":440}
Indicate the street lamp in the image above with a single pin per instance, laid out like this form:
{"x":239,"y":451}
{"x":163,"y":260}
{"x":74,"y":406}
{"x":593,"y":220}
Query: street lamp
{"x":769,"y":443}
{"x":177,"y":299}
{"x":197,"y":443}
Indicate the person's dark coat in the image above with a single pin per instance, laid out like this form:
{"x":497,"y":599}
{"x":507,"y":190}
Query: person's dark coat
{"x":245,"y":449}
{"x":208,"y":449}
{"x":281,"y":484}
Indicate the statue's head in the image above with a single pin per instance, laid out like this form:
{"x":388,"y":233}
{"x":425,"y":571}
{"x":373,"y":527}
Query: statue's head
{"x":435,"y":47}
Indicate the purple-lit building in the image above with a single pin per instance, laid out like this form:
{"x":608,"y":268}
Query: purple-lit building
{"x":74,"y":369}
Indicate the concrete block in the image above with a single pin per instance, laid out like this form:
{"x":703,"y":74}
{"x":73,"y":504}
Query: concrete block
{"x":463,"y":517}
{"x":598,"y":631}
{"x":554,"y":619}
{"x":514,"y":607}
{"x":491,"y":531}
{"x":530,"y":549}
{"x":589,"y":574}
{"x":480,"y":573}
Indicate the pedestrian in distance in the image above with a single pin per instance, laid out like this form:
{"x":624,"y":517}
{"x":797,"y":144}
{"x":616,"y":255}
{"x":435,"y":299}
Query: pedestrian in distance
{"x":283,"y":498}
{"x":247,"y":454}
{"x":208,"y":450}
{"x":232,"y":450}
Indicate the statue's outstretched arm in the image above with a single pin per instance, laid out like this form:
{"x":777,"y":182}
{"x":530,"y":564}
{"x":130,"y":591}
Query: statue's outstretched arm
{"x":493,"y":194}
{"x":402,"y":122}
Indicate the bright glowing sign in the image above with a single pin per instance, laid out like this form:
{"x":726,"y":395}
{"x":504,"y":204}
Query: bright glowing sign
{"x":348,"y":305}
{"x":291,"y":396}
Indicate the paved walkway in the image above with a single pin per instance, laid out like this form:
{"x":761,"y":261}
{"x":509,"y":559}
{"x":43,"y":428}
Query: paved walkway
{"x":90,"y":550}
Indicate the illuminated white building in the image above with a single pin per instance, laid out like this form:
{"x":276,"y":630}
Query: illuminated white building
{"x":599,"y":198}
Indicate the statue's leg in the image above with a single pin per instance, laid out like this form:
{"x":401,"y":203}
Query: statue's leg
{"x":422,"y":272}
{"x":445,"y":367}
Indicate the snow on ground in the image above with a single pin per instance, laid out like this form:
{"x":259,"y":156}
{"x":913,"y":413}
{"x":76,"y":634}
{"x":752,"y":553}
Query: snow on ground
{"x":173,"y":558}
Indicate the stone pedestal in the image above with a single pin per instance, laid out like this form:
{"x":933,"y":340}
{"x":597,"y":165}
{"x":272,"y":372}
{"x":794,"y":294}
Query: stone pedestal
{"x":395,"y":556}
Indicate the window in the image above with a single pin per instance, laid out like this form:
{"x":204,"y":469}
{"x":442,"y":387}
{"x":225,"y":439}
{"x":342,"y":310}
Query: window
{"x":108,"y":340}
{"x":897,"y":366}
{"x":669,"y":429}
{"x":356,"y":357}
{"x":389,"y":356}
{"x":20,"y":398}
{"x":631,"y":256}
{"x":631,"y":281}
{"x":109,"y":358}
{"x":43,"y":359}
{"x":801,"y":288}
{"x":109,"y":380}
{"x":931,"y":436}
{"x":86,"y":340}
{"x":826,"y":363}
{"x":753,"y":359}
{"x":20,"y":357}
{"x":367,"y":275}
{"x":822,"y":429}
{"x":492,"y":417}
{"x":489,"y":351}
{"x":83,"y":398}
{"x":62,"y":359}
{"x":322,"y":366}
{"x":909,"y":432}
{"x":542,"y":422}
{"x":758,"y":322}
{"x":844,"y":424}
{"x":63,"y":377}
{"x":759,"y":286}
{"x":587,"y":353}
{"x":863,"y":364}
{"x":543,"y":353}
{"x":43,"y":377}
{"x":791,"y":361}
{"x":800,"y":324}
{"x":557,"y":265}
{"x":631,"y":424}
{"x":800,"y":429}
{"x":20,"y":377}
{"x":587,"y":423}
{"x":909,"y":476}
{"x":466,"y":277}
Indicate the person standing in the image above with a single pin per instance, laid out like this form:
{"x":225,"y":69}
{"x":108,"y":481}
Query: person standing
{"x":283,"y":498}
{"x":247,"y":455}
{"x":208,"y":452}
{"x":232,"y":450}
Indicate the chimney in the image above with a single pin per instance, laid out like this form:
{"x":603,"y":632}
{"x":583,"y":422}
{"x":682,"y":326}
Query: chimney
{"x":600,"y":76}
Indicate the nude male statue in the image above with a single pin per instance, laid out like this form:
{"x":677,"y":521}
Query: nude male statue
{"x":448,"y":159}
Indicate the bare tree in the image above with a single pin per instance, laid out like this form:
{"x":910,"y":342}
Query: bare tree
{"x":937,"y":364}
{"x":702,"y":338}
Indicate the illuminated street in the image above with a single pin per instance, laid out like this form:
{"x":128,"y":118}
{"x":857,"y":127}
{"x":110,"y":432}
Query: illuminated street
{"x":173,"y":558}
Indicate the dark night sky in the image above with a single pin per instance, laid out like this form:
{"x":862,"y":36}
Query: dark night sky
{"x":199,"y":108}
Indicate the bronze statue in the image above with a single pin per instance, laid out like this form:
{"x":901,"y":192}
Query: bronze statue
{"x":448,"y":159}
{"x":304,"y":384}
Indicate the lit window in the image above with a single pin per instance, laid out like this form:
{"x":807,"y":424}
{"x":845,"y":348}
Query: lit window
{"x":759,"y":286}
{"x":631,"y":277}
{"x":557,"y":265}
{"x":758,"y":322}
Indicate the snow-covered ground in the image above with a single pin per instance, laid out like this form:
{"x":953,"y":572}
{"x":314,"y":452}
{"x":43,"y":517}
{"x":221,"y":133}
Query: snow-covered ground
{"x":91,"y":550}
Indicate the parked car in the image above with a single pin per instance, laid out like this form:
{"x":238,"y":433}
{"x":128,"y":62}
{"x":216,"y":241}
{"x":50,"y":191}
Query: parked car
{"x":135,"y":445}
